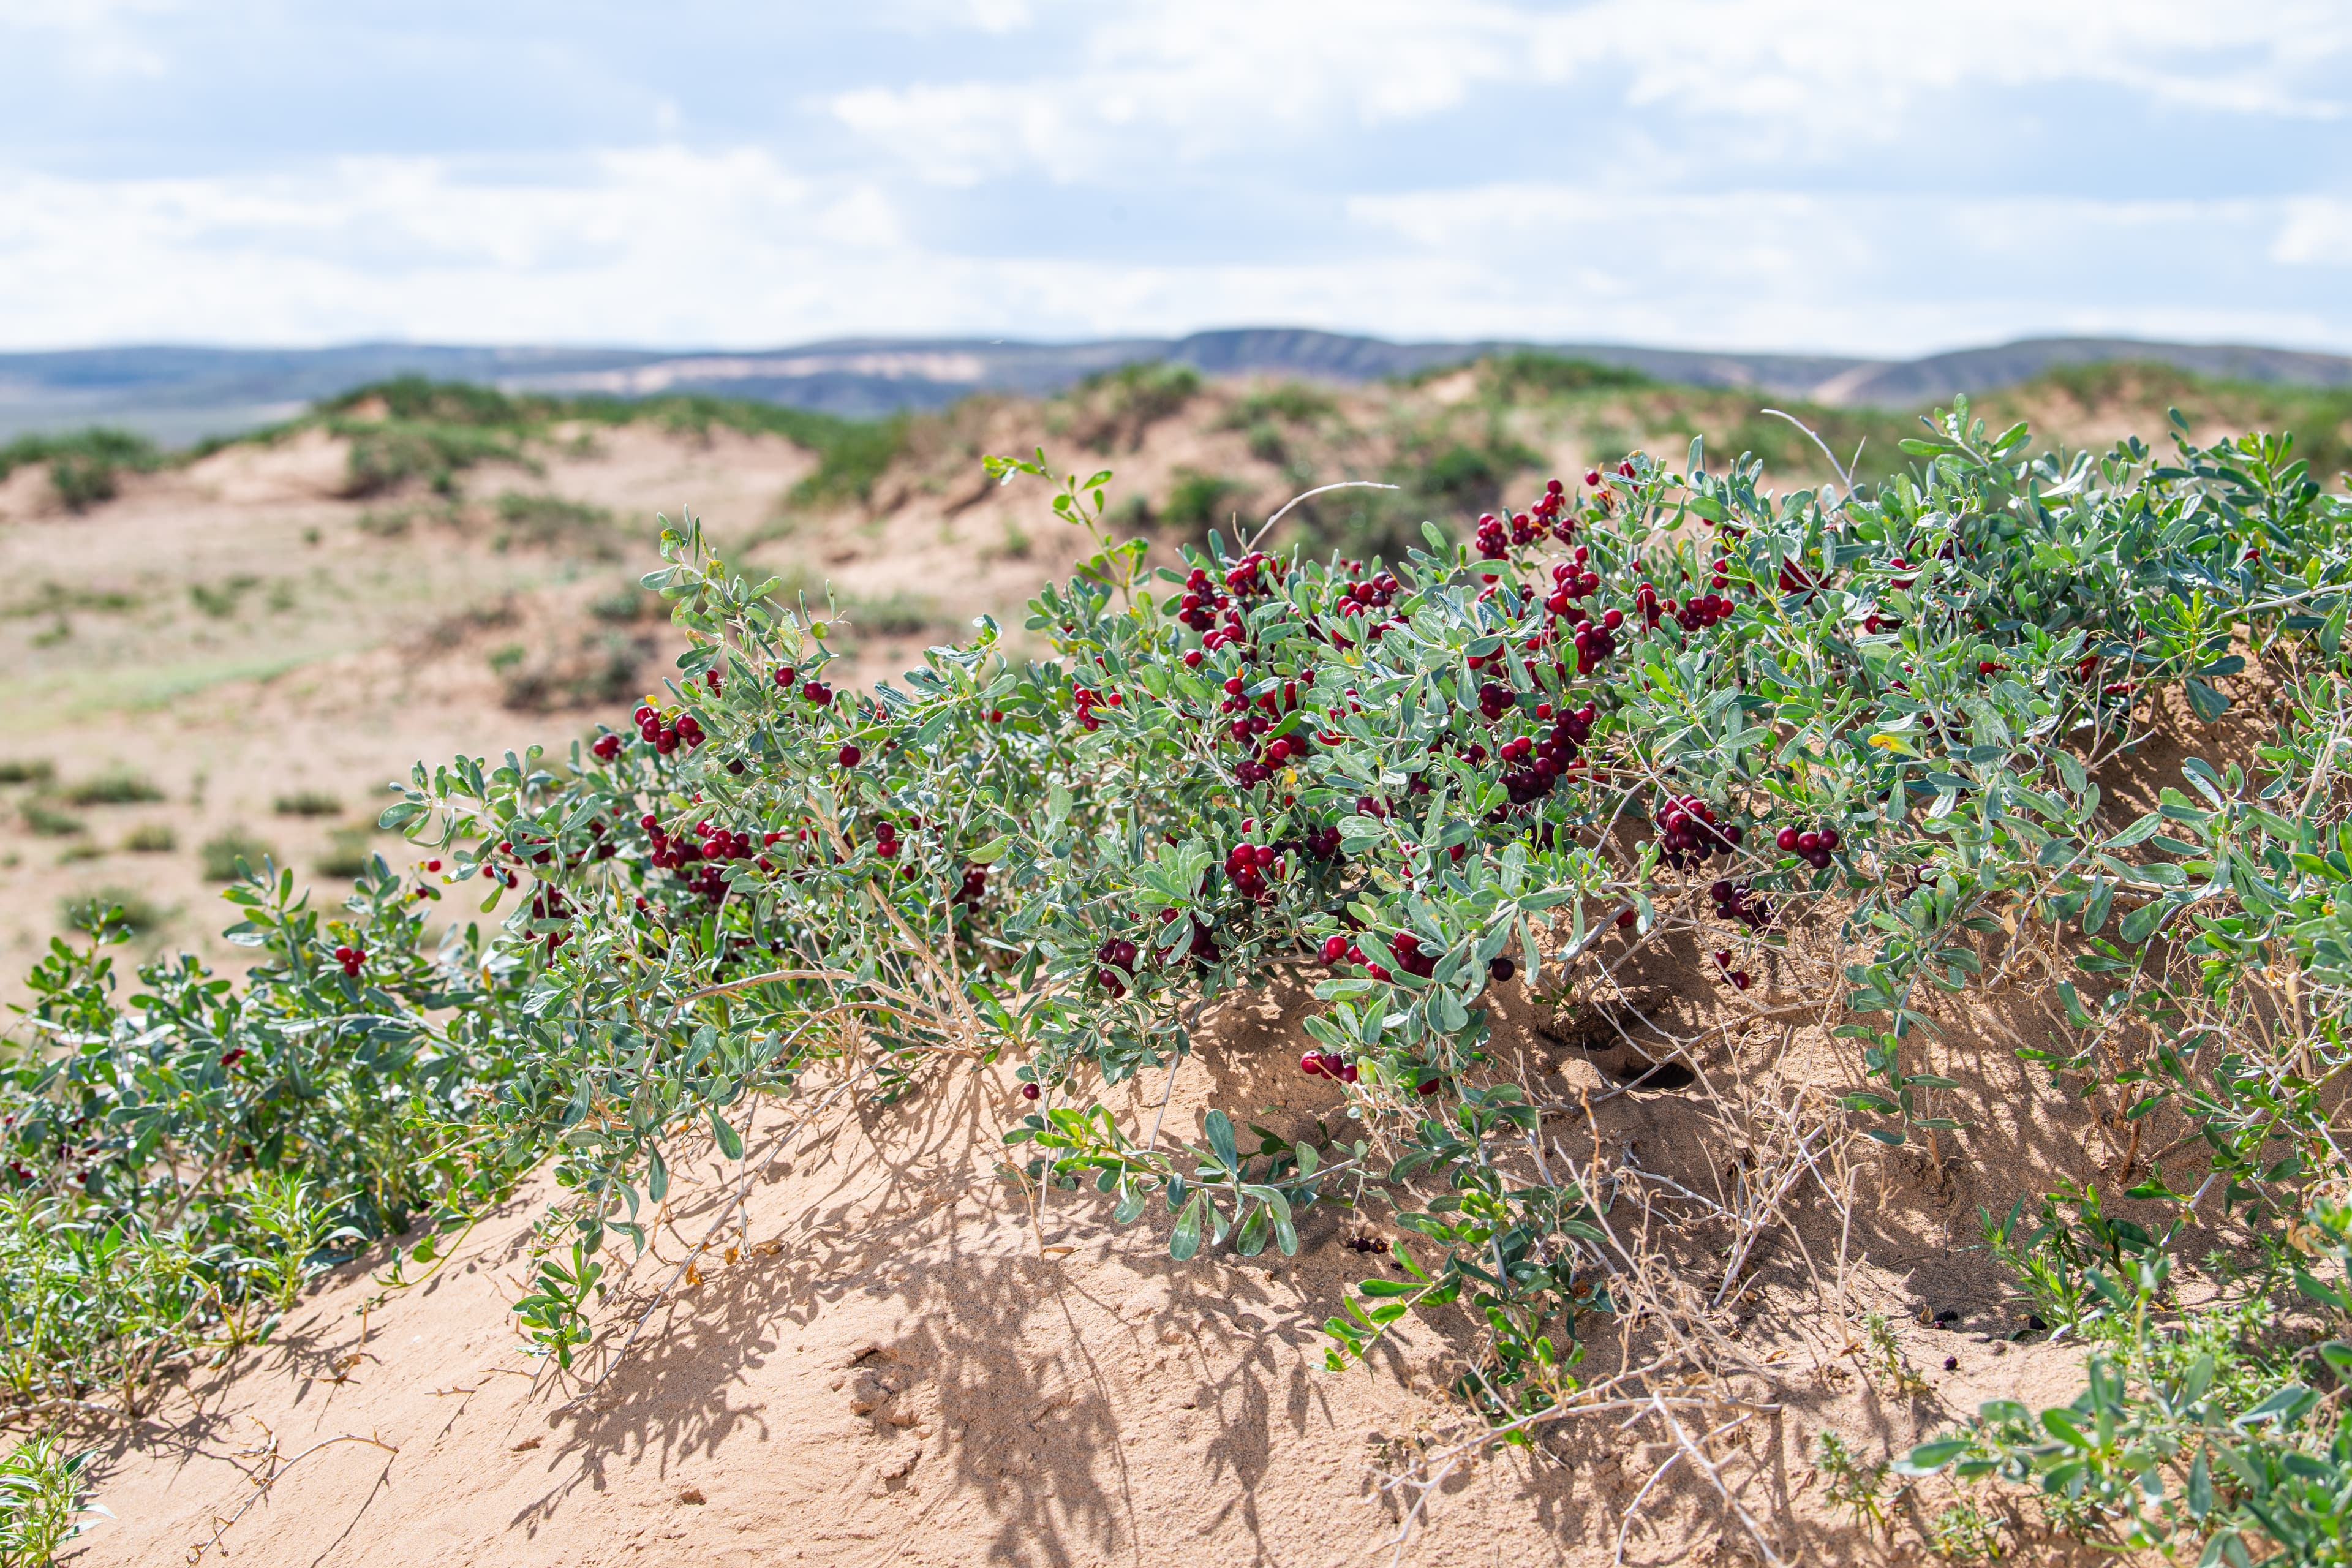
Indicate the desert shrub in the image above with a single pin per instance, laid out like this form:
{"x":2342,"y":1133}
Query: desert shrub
{"x":898,"y":613}
{"x":232,"y":854}
{"x":151,"y":838}
{"x":347,"y":855}
{"x":1196,"y":502}
{"x":624,"y":604}
{"x":115,"y":788}
{"x":1288,"y":403}
{"x":589,"y":670}
{"x":31,"y":771}
{"x":308,"y":803}
{"x":851,"y":456}
{"x":384,"y":454}
{"x":1527,"y":375}
{"x":220,"y":600}
{"x":1849,"y":743}
{"x":45,"y":819}
{"x":553,"y":523}
{"x":84,"y":467}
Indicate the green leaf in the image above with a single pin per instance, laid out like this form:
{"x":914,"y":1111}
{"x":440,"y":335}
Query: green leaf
{"x":1185,"y":1240}
{"x":731,"y":1142}
{"x":1927,"y":1458}
{"x":1220,"y":1127}
{"x":2208,"y":703}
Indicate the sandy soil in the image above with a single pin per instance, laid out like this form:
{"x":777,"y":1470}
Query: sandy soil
{"x":892,"y":1359}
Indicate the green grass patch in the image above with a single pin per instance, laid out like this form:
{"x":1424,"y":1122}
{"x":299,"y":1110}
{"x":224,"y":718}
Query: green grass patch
{"x":48,"y":821}
{"x":84,"y":464}
{"x":151,"y":838}
{"x":1196,"y":502}
{"x":116,"y":787}
{"x":308,"y":803}
{"x":231,"y":854}
{"x":23,"y":771}
{"x":348,"y":854}
{"x":553,"y":523}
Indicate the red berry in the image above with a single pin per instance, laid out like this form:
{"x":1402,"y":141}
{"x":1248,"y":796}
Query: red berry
{"x":1335,"y":948}
{"x":1311,"y":1064}
{"x":1624,"y":920}
{"x":1028,"y":1091}
{"x":1722,"y":959}
{"x":1787,"y":837}
{"x":1740,"y":978}
{"x":850,"y":756}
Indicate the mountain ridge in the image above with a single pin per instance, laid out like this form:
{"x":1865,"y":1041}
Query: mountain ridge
{"x":178,"y":393}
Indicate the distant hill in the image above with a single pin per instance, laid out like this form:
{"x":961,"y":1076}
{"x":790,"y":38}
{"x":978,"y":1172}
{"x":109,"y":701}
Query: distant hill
{"x":177,"y":394}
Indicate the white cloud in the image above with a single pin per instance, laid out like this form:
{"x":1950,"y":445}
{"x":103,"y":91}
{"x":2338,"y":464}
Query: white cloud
{"x":1221,"y":76}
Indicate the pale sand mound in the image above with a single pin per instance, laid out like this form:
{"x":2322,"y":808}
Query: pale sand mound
{"x":888,"y":1364}
{"x":891,"y":1372}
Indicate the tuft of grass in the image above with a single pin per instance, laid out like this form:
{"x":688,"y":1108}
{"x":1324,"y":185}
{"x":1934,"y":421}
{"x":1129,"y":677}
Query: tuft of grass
{"x":553,"y":523}
{"x":85,"y":466}
{"x":625,"y":605}
{"x":231,"y":854}
{"x":1288,"y":402}
{"x":596,"y":669}
{"x":151,"y":838}
{"x":54,"y":598}
{"x":347,"y":855}
{"x":80,"y":850}
{"x":83,"y":911}
{"x":117,"y":787}
{"x":50,"y":822}
{"x":851,"y":456}
{"x":898,"y":613}
{"x":308,"y":803}
{"x":1197,"y":500}
{"x":23,"y":770}
{"x":220,"y":601}
{"x":1529,"y":373}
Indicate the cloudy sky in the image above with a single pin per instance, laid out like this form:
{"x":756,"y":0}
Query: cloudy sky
{"x":1774,"y":173}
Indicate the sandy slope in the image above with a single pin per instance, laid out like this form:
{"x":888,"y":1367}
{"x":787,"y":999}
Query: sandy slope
{"x":890,"y":1361}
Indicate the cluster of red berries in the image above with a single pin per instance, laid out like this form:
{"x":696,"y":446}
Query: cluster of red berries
{"x":608,"y":746}
{"x":351,"y":958}
{"x":885,"y":838}
{"x":1085,"y":700}
{"x":1534,"y":763}
{"x":1815,"y":845}
{"x":1363,"y":594}
{"x":1692,"y":615}
{"x":1327,"y":1064}
{"x":1116,"y":958}
{"x":1550,"y":510}
{"x":1740,"y":978}
{"x":1410,"y":956}
{"x":975,"y":885}
{"x":1688,"y":833}
{"x":1571,"y":580}
{"x":663,"y":735}
{"x":1201,"y":602}
{"x":1203,"y":949}
{"x":1249,"y":865}
{"x":812,"y":690}
{"x":1733,"y":901}
{"x":1796,"y":579}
